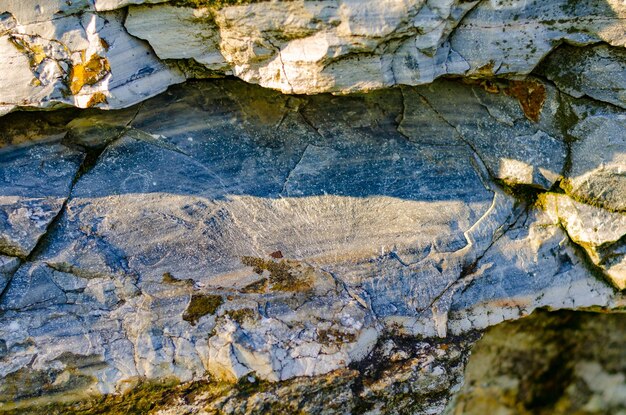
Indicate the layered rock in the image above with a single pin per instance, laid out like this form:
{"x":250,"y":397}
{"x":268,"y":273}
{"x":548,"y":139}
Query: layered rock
{"x":88,"y":54}
{"x":225,"y":229}
{"x":597,"y":72}
{"x":225,"y":248}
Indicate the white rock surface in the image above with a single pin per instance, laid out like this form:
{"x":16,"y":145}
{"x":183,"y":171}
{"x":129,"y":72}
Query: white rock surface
{"x":302,"y":47}
{"x":599,"y":232}
{"x":509,"y":37}
{"x":346,"y":46}
{"x":105,"y":5}
{"x":597,"y":175}
{"x":82,"y":60}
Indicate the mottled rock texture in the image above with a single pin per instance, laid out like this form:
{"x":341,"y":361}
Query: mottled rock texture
{"x":549,"y":363}
{"x":227,"y":248}
{"x":227,"y":230}
{"x":88,"y":53}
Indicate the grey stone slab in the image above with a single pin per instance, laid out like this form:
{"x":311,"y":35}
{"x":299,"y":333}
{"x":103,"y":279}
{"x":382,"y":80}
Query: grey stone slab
{"x":35,"y":181}
{"x":597,"y":71}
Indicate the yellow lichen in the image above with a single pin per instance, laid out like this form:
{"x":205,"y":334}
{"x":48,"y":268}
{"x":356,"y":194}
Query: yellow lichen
{"x":34,"y":52}
{"x":96,"y":98}
{"x":486,"y":70}
{"x":88,"y":73}
{"x":38,"y":54}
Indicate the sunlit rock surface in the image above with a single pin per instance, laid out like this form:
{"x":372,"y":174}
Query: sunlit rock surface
{"x":115,"y":53}
{"x":56,"y":55}
{"x":227,"y":230}
{"x":404,"y":176}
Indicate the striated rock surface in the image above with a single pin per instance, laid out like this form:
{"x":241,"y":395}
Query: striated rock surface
{"x":336,"y":242}
{"x":227,"y":231}
{"x":89,"y":53}
{"x":35,"y":182}
{"x":597,"y":72}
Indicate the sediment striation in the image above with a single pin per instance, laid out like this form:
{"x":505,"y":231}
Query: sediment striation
{"x":312,"y":206}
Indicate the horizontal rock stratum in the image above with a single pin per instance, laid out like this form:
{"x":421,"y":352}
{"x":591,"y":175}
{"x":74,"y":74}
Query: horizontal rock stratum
{"x":326,"y":222}
{"x":115,"y":53}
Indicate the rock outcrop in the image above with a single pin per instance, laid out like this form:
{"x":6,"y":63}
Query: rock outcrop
{"x":558,"y":363}
{"x":334,"y":243}
{"x":89,"y":54}
{"x":227,"y":229}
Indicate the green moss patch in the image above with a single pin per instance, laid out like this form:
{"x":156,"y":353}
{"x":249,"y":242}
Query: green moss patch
{"x":201,"y":305}
{"x":168,"y":278}
{"x":218,"y":4}
{"x":284,"y":275}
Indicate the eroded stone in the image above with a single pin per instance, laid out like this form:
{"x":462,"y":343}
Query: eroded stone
{"x":35,"y":182}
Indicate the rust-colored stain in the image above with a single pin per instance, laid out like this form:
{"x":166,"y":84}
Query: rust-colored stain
{"x":276,"y":254}
{"x":96,"y":98}
{"x":531,"y":96}
{"x":489,"y":86}
{"x":88,"y":73}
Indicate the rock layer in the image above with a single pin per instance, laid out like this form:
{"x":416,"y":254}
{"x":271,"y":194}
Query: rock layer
{"x":87,"y":54}
{"x":225,"y":248}
{"x":225,"y":229}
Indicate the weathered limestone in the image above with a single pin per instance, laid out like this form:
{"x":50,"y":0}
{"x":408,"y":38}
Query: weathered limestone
{"x":343,"y":46}
{"x":510,"y":37}
{"x":519,"y":140}
{"x":81,"y":54}
{"x":105,"y":5}
{"x":83,"y":60}
{"x":228,"y":230}
{"x":226,"y":247}
{"x":599,"y":232}
{"x":598,"y":72}
{"x":598,"y":157}
{"x":34,"y":184}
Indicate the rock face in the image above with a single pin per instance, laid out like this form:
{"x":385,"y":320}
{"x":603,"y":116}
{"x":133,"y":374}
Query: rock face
{"x":36,"y":181}
{"x":559,"y":363}
{"x":227,"y":248}
{"x":229,"y":230}
{"x":57,"y":55}
{"x":89,"y":54}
